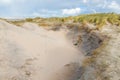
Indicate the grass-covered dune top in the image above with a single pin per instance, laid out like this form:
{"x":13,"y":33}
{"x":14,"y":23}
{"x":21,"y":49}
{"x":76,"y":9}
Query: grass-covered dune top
{"x":98,"y":19}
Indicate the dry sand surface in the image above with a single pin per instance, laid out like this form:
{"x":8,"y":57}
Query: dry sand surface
{"x":33,"y":53}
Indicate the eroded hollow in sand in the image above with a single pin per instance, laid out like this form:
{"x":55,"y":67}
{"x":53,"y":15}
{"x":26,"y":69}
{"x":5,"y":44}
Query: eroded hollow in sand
{"x":33,"y":53}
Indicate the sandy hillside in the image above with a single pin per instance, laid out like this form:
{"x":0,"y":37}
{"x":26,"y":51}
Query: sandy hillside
{"x":104,"y":64}
{"x":33,"y":53}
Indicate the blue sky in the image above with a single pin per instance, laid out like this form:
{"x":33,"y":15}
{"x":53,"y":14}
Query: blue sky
{"x":52,"y":8}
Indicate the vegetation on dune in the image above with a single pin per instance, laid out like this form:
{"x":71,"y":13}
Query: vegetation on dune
{"x":98,"y":19}
{"x":17,"y":23}
{"x":29,"y":19}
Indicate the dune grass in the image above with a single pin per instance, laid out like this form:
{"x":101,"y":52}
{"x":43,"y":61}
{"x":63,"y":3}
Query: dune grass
{"x":98,"y":19}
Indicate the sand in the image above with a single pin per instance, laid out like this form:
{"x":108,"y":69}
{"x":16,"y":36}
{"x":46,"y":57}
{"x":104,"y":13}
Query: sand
{"x":30,"y":52}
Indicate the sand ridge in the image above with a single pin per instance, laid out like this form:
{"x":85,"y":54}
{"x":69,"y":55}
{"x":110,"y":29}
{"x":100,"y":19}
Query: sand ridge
{"x":33,"y":53}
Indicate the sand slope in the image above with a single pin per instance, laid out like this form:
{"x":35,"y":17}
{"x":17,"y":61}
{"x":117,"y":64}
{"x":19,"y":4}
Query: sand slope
{"x":33,"y":53}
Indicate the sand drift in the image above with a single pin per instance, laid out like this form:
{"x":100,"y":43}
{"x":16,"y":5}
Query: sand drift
{"x":34,"y":53}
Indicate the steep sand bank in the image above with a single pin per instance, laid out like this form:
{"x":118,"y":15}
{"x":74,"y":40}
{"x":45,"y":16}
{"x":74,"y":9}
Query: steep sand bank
{"x":33,"y":53}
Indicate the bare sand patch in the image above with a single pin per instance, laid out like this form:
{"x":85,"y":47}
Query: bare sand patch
{"x":33,"y":53}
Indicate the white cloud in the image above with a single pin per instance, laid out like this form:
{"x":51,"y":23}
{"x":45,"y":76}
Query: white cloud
{"x":103,"y":4}
{"x":93,"y":10}
{"x":6,"y":1}
{"x":85,"y":1}
{"x":114,"y":5}
{"x":11,"y":2}
{"x":71,"y":11}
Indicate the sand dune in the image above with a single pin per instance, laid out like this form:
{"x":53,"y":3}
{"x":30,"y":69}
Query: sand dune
{"x":33,"y":53}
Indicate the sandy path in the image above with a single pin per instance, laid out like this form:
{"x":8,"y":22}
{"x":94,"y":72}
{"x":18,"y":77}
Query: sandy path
{"x":33,"y":53}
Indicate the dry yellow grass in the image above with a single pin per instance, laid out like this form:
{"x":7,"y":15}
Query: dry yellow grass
{"x":99,"y":19}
